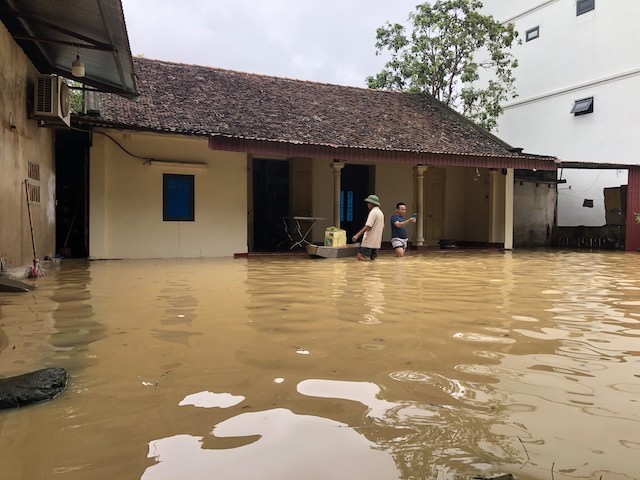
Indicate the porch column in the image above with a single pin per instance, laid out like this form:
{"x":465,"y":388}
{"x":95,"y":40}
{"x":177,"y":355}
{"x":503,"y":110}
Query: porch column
{"x":508,"y":209}
{"x":337,"y":167}
{"x":496,"y":206}
{"x":501,"y":207}
{"x":419,"y":173}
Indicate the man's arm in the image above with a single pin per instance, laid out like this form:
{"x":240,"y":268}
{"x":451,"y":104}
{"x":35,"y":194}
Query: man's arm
{"x":399,"y":224}
{"x":362,"y":231}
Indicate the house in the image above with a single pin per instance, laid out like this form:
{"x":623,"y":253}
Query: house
{"x":578,"y":84}
{"x":207,"y":162}
{"x":38,"y":39}
{"x":203,"y":162}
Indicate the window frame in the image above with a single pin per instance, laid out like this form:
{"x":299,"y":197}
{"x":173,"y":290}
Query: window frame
{"x":535,"y":29}
{"x":584,"y":6}
{"x":185,"y":201}
{"x":578,"y":109}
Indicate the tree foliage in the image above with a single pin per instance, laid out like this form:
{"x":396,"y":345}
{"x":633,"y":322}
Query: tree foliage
{"x":449,"y":43}
{"x":76,"y":96}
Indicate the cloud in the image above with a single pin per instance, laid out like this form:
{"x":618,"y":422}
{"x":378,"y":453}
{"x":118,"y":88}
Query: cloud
{"x":329,"y":41}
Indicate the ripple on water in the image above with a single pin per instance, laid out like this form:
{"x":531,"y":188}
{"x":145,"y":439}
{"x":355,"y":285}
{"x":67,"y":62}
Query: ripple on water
{"x":523,"y":318}
{"x":481,"y":338}
{"x":447,"y":385}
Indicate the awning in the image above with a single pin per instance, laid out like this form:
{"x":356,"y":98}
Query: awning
{"x":290,"y":150}
{"x":53,"y":33}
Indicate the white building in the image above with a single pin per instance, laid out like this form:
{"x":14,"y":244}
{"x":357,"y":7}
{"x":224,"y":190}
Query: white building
{"x":578,"y":84}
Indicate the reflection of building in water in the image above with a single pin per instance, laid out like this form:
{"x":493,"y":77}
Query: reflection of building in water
{"x":74,"y":316}
{"x":338,"y":279}
{"x":373,"y":298}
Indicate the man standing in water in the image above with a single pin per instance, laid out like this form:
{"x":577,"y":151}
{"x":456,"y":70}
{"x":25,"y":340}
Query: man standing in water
{"x":372,"y":231}
{"x":399,"y":238}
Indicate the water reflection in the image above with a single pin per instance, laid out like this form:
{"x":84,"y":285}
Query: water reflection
{"x":442,"y":365}
{"x":285,"y":445}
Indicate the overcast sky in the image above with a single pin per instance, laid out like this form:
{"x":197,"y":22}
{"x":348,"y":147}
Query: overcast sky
{"x":329,"y":41}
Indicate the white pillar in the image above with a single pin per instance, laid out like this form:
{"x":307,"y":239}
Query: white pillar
{"x":508,"y":209}
{"x":496,"y":206}
{"x":419,"y":173}
{"x":337,"y":167}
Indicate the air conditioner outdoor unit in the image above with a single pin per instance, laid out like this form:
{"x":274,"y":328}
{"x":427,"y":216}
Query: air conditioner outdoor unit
{"x":51,"y":100}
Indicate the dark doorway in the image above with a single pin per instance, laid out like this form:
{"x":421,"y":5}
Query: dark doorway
{"x":72,"y":194}
{"x":355,"y":184}
{"x":270,"y":202}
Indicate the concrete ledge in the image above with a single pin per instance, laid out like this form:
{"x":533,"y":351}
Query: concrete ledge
{"x":10,"y":285}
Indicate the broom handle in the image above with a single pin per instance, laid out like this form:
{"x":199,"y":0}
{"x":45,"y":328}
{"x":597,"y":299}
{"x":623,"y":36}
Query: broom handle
{"x":33,"y":243}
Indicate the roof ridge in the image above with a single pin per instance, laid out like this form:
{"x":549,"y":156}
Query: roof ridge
{"x":276,"y":77}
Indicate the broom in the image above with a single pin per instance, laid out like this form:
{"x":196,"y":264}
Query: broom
{"x":35,"y":271}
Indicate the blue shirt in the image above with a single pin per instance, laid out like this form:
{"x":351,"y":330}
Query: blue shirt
{"x":400,"y":232}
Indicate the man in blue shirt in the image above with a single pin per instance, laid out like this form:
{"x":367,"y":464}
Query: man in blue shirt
{"x":399,"y":237}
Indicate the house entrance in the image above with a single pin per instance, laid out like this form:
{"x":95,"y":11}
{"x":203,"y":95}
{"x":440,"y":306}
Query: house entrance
{"x":72,"y":194}
{"x":355,"y":185}
{"x":270,"y":202}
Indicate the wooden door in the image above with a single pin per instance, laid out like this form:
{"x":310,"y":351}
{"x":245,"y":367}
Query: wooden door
{"x":270,"y":180}
{"x":355,"y":186}
{"x":434,"y":205}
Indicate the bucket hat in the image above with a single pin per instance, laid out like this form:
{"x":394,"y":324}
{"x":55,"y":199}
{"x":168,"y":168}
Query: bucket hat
{"x":373,"y":199}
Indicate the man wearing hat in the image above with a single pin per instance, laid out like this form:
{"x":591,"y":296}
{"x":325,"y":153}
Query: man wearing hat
{"x":372,"y":230}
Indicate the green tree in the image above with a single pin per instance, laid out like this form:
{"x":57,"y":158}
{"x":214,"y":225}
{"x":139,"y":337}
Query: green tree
{"x":442,"y":54}
{"x":76,"y":96}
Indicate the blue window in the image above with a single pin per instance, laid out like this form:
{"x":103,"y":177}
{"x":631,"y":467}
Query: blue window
{"x":346,"y":205}
{"x":177,"y":198}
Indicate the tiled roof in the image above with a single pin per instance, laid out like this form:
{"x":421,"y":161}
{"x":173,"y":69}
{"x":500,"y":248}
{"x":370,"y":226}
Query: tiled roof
{"x":197,"y":100}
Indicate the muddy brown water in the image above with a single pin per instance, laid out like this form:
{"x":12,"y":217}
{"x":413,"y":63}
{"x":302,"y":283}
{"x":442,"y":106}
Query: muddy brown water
{"x":442,"y":365}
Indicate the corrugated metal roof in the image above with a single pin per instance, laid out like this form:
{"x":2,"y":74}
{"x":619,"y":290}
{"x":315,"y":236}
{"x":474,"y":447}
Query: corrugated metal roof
{"x":52,"y":33}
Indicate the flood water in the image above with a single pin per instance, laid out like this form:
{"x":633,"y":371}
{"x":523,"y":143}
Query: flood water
{"x":441,"y":365}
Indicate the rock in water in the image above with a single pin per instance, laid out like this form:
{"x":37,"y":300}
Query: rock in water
{"x":32,"y":387}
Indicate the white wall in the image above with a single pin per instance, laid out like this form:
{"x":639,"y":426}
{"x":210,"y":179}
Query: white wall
{"x":591,"y":55}
{"x":126,"y":199}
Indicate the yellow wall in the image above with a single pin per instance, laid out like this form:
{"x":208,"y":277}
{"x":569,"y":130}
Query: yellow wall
{"x":126,"y":198}
{"x":21,"y":141}
{"x":466,"y":198}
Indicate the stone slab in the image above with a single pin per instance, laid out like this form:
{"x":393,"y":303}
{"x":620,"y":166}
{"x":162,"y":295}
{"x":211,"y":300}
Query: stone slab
{"x":320,"y":251}
{"x":33,"y":387}
{"x":9,"y":285}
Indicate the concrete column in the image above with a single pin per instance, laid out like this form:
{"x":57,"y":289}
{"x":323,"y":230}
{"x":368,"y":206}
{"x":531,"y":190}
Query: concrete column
{"x":496,"y":206}
{"x":337,"y":167}
{"x":508,"y":209}
{"x":419,"y":172}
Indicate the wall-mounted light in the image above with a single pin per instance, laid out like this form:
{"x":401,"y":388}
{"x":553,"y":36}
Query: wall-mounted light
{"x":77,"y":66}
{"x":175,"y":164}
